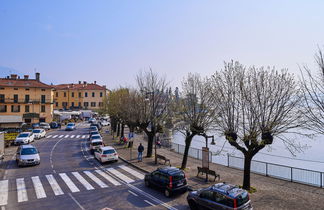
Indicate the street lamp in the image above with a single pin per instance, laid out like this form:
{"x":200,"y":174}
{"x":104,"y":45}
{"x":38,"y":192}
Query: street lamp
{"x":205,"y":155}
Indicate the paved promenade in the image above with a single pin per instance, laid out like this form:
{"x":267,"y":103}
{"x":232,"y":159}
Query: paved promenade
{"x":271,"y":193}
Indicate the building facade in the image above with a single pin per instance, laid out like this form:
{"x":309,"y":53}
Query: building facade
{"x":79,"y":96}
{"x":29,"y":98}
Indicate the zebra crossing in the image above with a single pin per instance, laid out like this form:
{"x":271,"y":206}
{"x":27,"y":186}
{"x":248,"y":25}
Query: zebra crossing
{"x":67,"y":136}
{"x":63,"y":183}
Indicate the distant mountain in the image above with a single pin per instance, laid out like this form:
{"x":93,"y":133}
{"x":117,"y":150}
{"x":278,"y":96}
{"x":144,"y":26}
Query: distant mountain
{"x":6,"y":71}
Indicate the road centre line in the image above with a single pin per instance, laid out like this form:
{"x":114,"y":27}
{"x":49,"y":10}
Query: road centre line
{"x":75,"y":201}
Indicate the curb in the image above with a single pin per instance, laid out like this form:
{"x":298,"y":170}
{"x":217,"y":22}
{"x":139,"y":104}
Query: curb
{"x":135,"y":166}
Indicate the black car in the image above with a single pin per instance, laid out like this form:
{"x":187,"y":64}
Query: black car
{"x":169,"y":179}
{"x":220,"y":196}
{"x":54,"y":125}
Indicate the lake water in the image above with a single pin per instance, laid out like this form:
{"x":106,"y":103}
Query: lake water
{"x":311,"y":158}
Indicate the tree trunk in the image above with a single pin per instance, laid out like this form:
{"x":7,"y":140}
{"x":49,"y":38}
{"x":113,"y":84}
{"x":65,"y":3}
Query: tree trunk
{"x":186,"y":151}
{"x":122,"y":130}
{"x":150,"y":138}
{"x":118,"y":129}
{"x":247,"y":171}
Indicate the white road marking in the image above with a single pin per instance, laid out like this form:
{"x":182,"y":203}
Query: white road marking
{"x":72,"y":136}
{"x":54,"y":136}
{"x":49,"y":136}
{"x":149,"y":202}
{"x":131,"y":192}
{"x":81,"y":207}
{"x":66,"y":136}
{"x":78,"y":136}
{"x":132,"y":171}
{"x":83,"y":137}
{"x":69,"y":182}
{"x":84,"y":182}
{"x":21,"y":190}
{"x":40,"y":192}
{"x":107,"y":177}
{"x":61,"y":136}
{"x":87,"y":136}
{"x":56,"y":188}
{"x":120,"y":175}
{"x":4,"y":185}
{"x":95,"y":179}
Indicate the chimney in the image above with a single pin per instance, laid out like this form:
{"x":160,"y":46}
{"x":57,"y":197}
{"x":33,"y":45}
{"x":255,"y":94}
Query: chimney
{"x":37,"y":76}
{"x":26,"y":77}
{"x":84,"y":82}
{"x":95,"y":82}
{"x":79,"y":82}
{"x":104,"y":86}
{"x":13,"y":76}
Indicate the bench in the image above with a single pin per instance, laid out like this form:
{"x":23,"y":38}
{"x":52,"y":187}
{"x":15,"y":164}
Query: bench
{"x":208,"y":171}
{"x":163,"y":158}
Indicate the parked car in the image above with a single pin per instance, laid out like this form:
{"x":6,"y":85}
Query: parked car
{"x":105,"y":123}
{"x":94,"y":133}
{"x":93,"y":128}
{"x":70,"y":127}
{"x":35,"y":125}
{"x":96,"y":144}
{"x":170,"y":179}
{"x":92,"y":120}
{"x":54,"y":125}
{"x":220,"y":196}
{"x":95,"y":137}
{"x":44,"y":125}
{"x":106,"y":154}
{"x":24,"y":138}
{"x":27,"y":155}
{"x":39,"y":133}
{"x":98,"y":125}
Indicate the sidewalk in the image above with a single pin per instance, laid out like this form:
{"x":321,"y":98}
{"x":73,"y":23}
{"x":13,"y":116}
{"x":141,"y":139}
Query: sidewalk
{"x":271,"y":193}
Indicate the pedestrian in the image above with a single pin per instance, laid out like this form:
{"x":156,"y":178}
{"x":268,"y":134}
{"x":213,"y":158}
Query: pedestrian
{"x":140,"y":150}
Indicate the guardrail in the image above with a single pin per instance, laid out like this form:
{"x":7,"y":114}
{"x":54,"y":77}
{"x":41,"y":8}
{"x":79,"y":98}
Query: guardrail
{"x":288,"y":173}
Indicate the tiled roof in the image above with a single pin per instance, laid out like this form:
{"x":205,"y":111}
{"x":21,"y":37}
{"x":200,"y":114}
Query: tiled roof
{"x":4,"y":82}
{"x":88,"y":86}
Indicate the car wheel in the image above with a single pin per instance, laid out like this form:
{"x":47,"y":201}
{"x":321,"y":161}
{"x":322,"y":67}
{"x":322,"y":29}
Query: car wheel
{"x":147,"y":183}
{"x":167,"y":193}
{"x":192,"y":205}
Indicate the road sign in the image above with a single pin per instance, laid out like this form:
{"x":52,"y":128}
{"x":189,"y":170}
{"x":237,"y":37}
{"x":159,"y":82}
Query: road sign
{"x":205,"y":157}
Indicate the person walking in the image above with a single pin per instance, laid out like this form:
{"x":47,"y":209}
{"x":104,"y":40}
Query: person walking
{"x":140,"y":150}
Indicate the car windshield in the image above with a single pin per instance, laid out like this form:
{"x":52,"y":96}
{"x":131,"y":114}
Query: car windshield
{"x":36,"y":131}
{"x":23,"y":135}
{"x":29,"y":151}
{"x":178,"y":176}
{"x":43,"y":124}
{"x":93,"y":128}
{"x":70,"y":124}
{"x":95,"y":137}
{"x":94,"y":132}
{"x":96,"y":143}
{"x":242,"y":198}
{"x":109,"y":151}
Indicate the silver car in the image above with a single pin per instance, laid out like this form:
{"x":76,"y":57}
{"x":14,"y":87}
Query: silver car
{"x":27,"y":155}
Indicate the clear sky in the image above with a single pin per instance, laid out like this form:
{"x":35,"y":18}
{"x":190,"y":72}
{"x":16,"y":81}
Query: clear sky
{"x":110,"y":41}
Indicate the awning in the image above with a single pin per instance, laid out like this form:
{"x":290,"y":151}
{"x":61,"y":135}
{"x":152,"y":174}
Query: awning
{"x":10,"y":119}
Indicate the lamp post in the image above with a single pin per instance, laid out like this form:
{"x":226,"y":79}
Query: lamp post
{"x":205,"y":155}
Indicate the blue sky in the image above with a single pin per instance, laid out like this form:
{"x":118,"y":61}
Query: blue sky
{"x":111,"y":41}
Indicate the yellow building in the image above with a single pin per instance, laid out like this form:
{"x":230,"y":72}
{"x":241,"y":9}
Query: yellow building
{"x":79,"y":96}
{"x":29,"y":98}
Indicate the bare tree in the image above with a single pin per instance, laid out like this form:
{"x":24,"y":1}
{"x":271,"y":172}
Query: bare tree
{"x":155,"y":94}
{"x":255,"y":105}
{"x":195,"y":110}
{"x":313,"y":91}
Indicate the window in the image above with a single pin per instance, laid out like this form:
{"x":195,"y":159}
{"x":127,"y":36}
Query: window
{"x":43,"y":99}
{"x":15,"y":88}
{"x":15,"y":108}
{"x":2,"y":98}
{"x":56,"y":94}
{"x":2,"y":88}
{"x":85,"y":94}
{"x":27,"y":108}
{"x":56,"y":103}
{"x":101,"y":94}
{"x":43,"y":108}
{"x":79,"y":94}
{"x":3,"y":108}
{"x":72,"y":104}
{"x":86,"y":104}
{"x":100,"y":104}
{"x":64,"y":94}
{"x":27,"y":89}
{"x":93,"y":104}
{"x":43,"y":89}
{"x":93,"y":94}
{"x":15,"y":98}
{"x":79,"y":104}
{"x":64,"y":104}
{"x":72,"y":94}
{"x":26,"y":98}
{"x":207,"y":194}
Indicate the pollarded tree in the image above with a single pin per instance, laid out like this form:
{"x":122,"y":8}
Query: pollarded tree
{"x":255,"y":106}
{"x":195,"y":110}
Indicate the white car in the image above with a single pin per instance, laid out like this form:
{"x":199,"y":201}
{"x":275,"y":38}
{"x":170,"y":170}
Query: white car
{"x":105,"y":123}
{"x":44,"y":125}
{"x":24,"y":138}
{"x":106,"y":154}
{"x":96,"y":144}
{"x":95,"y":137}
{"x":39,"y":133}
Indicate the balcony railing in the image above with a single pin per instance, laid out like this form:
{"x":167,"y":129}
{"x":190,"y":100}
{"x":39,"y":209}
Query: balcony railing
{"x":30,"y":101}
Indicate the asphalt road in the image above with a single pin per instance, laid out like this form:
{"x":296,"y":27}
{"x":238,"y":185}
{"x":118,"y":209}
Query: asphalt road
{"x":70,"y":178}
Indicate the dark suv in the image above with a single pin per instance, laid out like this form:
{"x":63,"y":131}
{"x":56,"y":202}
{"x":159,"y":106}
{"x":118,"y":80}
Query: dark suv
{"x":169,"y":179}
{"x":219,"y":196}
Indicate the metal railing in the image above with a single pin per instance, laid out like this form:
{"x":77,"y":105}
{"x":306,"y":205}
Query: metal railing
{"x":292,"y":174}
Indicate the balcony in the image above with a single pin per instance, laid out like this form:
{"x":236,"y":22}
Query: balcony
{"x":23,"y":101}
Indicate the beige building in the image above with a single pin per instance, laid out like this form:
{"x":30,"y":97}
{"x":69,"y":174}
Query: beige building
{"x":79,"y":96}
{"x":29,"y":98}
